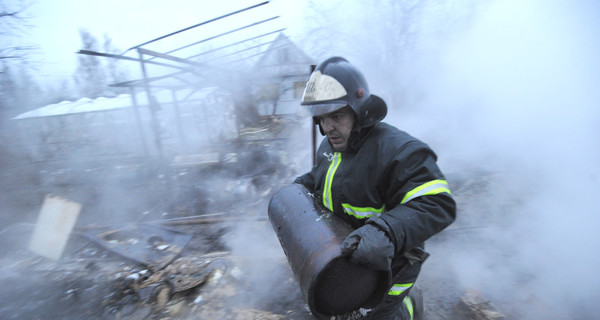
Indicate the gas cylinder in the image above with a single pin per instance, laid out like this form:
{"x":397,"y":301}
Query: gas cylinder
{"x":310,"y":237}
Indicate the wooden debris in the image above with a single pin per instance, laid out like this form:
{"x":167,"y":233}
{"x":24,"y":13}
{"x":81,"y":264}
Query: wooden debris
{"x":472,"y":305}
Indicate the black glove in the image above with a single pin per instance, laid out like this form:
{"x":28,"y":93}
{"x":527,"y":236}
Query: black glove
{"x":369,"y":246}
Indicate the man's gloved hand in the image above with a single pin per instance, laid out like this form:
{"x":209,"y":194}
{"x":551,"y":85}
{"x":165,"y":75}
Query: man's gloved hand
{"x":369,"y":246}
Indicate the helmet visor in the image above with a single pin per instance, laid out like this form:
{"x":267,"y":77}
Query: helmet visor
{"x":320,"y":109}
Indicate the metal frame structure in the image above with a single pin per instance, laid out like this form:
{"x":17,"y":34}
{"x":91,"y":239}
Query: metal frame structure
{"x":187,"y":71}
{"x":183,"y":66}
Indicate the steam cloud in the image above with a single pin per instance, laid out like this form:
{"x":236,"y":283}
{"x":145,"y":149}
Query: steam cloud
{"x":508,"y":89}
{"x":513,"y":90}
{"x":505,"y":92}
{"x":517,"y":95}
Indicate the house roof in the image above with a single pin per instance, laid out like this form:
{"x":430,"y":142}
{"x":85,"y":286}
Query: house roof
{"x":283,"y":51}
{"x":122,"y":101}
{"x":282,"y":58}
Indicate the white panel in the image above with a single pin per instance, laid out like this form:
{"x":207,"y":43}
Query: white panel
{"x":55,"y":222}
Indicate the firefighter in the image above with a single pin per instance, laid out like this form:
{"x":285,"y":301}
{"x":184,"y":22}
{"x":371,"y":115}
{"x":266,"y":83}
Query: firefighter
{"x":382,"y":181}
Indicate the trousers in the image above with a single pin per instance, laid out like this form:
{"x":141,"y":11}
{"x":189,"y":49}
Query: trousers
{"x":397,"y":305}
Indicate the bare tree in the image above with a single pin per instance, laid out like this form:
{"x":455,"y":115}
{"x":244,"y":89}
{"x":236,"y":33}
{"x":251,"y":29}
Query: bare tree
{"x":94,"y":74}
{"x":13,"y":24}
{"x":90,"y":76}
{"x":116,"y":72}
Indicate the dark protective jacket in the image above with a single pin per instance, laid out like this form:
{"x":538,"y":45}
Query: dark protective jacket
{"x":384,"y":172}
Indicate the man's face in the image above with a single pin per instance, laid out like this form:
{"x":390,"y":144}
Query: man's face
{"x":337,"y":126}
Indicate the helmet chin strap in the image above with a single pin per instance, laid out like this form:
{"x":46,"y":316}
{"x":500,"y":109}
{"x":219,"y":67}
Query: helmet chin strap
{"x":320,"y":128}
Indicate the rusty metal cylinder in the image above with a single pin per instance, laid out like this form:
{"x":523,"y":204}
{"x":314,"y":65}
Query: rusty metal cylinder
{"x":310,"y":236}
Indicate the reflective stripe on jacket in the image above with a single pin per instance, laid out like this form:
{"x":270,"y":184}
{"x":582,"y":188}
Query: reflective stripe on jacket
{"x":387,"y":173}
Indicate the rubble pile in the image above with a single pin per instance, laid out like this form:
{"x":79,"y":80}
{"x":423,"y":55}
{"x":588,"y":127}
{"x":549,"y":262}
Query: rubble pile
{"x":163,"y":250}
{"x":472,"y":305}
{"x":92,"y":282}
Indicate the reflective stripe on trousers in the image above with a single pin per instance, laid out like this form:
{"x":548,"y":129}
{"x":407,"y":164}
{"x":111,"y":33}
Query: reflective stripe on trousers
{"x":409,"y":306}
{"x":398,"y":289}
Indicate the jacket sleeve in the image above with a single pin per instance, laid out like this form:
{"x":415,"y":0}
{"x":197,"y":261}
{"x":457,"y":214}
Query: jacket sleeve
{"x":418,"y":197}
{"x":307,"y":180}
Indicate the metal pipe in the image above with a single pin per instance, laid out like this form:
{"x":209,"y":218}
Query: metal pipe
{"x":122,"y":57}
{"x":222,"y":34}
{"x":235,"y":43}
{"x":314,"y":128}
{"x":310,"y":236}
{"x":138,"y":121}
{"x":169,"y":57}
{"x":196,"y":25}
{"x":241,"y":50}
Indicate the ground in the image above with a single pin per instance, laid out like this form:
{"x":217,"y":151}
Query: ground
{"x":231,"y":262}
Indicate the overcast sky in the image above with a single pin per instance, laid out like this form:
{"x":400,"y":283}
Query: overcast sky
{"x":56,"y":23}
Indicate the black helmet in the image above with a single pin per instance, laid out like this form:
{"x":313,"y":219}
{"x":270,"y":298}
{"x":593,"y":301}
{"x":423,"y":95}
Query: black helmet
{"x":336,"y":83}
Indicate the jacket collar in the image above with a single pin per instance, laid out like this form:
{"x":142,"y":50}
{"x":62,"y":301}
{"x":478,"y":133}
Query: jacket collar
{"x":357,"y":138}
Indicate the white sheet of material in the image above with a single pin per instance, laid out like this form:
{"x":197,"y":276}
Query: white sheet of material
{"x":54,"y":225}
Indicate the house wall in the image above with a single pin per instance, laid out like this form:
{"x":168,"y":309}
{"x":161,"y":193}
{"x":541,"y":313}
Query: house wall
{"x":282,"y":73}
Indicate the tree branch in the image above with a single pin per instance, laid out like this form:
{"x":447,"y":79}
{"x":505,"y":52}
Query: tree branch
{"x":8,"y":14}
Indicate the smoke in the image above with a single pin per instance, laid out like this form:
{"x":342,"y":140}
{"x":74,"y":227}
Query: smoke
{"x":515,"y":95}
{"x":263,"y":274}
{"x":506,"y":94}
